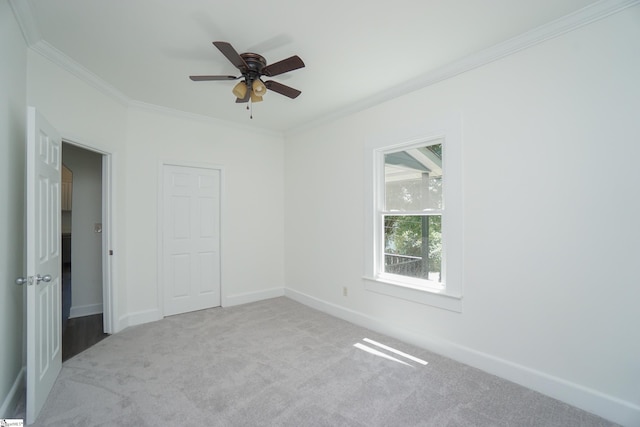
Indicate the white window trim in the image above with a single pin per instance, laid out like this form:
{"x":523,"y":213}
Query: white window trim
{"x":449,"y":295}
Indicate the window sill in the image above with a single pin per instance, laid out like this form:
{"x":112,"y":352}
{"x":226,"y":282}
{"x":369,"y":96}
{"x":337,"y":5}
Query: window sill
{"x":432,"y":297}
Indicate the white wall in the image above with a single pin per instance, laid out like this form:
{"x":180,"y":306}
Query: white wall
{"x":139,"y":140}
{"x":551,"y":140}
{"x":12,"y":135}
{"x":252,"y":242}
{"x":86,"y":116}
{"x":86,"y":244}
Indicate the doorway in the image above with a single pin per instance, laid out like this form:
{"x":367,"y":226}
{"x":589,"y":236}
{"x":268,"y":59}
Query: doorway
{"x":82,"y":249}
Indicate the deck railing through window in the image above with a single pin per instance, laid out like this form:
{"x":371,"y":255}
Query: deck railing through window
{"x":404,"y":265}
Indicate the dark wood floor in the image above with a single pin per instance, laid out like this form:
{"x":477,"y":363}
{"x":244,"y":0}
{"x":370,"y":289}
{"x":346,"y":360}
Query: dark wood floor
{"x":80,"y":334}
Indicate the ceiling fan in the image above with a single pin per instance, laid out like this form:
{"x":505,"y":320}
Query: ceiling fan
{"x":252,"y":67}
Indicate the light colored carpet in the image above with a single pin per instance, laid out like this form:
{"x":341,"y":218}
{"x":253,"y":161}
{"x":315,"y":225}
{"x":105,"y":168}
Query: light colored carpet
{"x":280,"y":363}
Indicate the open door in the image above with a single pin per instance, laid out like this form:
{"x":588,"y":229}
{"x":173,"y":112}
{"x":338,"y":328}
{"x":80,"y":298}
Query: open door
{"x":43,"y":282}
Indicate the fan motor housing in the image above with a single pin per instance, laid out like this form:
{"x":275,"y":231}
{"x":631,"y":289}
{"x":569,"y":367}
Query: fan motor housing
{"x":254,"y":61}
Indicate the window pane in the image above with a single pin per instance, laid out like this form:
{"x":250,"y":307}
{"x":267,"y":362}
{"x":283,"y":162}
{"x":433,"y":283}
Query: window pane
{"x":413,"y":246}
{"x":413,"y":179}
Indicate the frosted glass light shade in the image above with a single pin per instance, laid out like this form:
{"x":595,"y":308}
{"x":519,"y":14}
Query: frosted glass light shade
{"x":259,"y":88}
{"x":255,"y":98}
{"x":240,"y":90}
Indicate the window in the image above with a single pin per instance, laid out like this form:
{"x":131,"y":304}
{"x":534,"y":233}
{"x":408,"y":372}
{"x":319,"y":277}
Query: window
{"x":410,"y":215}
{"x":415,"y":220}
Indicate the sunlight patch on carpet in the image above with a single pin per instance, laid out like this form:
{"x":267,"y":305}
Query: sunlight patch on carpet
{"x":387,"y":356}
{"x":393,"y":350}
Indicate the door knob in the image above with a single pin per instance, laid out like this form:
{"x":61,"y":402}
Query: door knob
{"x":45,"y":278}
{"x":37,"y":279}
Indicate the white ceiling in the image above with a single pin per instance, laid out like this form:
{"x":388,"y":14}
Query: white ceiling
{"x":354,"y":50}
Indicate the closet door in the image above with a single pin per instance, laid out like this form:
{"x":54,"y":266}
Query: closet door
{"x":191,"y":238}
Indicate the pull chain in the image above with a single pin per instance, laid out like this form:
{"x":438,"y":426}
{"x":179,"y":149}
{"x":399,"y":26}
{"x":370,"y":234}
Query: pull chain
{"x":250,"y":104}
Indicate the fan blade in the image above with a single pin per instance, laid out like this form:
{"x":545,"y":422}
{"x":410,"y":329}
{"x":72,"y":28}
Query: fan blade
{"x":207,"y":78}
{"x":282,"y":89}
{"x":280,"y":67}
{"x":231,"y":54}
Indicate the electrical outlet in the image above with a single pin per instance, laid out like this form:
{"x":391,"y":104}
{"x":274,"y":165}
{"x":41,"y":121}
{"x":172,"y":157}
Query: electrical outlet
{"x":344,"y":291}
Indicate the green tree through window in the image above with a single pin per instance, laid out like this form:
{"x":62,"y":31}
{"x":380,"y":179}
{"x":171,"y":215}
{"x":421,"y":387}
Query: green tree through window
{"x":413,"y":246}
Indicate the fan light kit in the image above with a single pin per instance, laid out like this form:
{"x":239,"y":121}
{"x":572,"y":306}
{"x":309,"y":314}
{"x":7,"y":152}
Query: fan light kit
{"x":252,"y":67}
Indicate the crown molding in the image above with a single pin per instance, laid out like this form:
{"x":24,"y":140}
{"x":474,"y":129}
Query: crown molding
{"x":24,"y":16}
{"x":565,"y":24}
{"x":570,"y":22}
{"x":172,"y":112}
{"x":66,"y":63}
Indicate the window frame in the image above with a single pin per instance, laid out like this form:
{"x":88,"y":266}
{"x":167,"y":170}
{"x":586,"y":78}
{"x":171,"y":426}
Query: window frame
{"x":447,"y":295}
{"x":382,"y":211}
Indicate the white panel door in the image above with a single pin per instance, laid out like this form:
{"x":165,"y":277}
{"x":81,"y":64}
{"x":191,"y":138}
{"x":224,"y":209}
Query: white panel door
{"x":44,"y":318}
{"x":191,"y":239}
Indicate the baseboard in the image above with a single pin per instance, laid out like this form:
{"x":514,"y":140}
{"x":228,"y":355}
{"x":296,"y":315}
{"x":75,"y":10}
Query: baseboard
{"x":611,"y":408}
{"x":85,"y":310}
{"x":247,"y":297}
{"x":138,"y":318}
{"x":154,"y":315}
{"x":13,"y":397}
